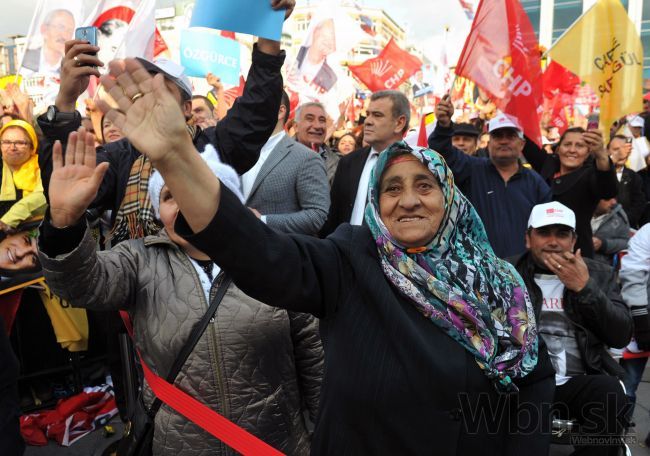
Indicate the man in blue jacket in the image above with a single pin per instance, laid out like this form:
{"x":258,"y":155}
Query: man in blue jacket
{"x":500,"y":188}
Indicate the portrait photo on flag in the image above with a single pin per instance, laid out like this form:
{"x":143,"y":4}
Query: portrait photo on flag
{"x":53,"y":24}
{"x":315,"y":74}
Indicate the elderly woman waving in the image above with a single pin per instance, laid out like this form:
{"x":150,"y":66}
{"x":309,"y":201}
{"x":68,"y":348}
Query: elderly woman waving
{"x":430,"y":339}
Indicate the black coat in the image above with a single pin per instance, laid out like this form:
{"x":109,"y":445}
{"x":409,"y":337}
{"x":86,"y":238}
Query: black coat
{"x":394,"y":382}
{"x":600,"y":317}
{"x":579,"y":190}
{"x":344,"y":189}
{"x":631,"y":196}
{"x":238,"y":137}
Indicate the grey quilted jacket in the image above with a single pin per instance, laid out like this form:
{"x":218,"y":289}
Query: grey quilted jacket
{"x":258,"y":365}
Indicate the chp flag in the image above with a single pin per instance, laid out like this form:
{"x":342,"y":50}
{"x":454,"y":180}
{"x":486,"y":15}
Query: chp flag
{"x":391,"y":68}
{"x":505,"y":65}
{"x":604,"y":49}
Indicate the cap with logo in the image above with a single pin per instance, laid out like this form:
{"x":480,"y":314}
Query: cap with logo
{"x":172,"y":71}
{"x":502,"y":120}
{"x":637,"y":121}
{"x":553,"y":213}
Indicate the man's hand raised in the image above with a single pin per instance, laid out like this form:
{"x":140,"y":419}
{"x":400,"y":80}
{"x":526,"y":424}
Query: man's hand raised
{"x":77,"y":66}
{"x":444,"y":111}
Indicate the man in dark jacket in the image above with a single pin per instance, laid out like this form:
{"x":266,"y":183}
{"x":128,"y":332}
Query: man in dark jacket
{"x":630,"y":185}
{"x":580,"y":313}
{"x":238,"y":137}
{"x":500,"y":188}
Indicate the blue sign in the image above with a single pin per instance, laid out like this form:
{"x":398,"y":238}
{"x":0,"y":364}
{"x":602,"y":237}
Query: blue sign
{"x":204,"y":52}
{"x":254,"y":17}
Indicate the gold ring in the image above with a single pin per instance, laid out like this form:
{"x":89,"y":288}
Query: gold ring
{"x":559,"y":266}
{"x":136,"y":96}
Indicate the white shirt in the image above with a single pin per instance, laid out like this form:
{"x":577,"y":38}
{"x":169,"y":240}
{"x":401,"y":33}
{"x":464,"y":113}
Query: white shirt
{"x":248,"y":178}
{"x":362,"y":189}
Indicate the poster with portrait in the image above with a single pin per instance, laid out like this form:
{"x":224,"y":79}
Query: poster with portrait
{"x":316,"y":73}
{"x":19,"y":265}
{"x":53,"y":24}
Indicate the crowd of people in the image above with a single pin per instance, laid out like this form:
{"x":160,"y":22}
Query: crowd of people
{"x":356,"y":294}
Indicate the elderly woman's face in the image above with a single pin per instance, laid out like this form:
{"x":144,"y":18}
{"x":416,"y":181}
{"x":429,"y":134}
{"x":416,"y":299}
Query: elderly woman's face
{"x":16,"y":147}
{"x":411,"y":203}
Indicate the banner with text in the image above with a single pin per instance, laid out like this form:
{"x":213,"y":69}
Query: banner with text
{"x":204,"y":51}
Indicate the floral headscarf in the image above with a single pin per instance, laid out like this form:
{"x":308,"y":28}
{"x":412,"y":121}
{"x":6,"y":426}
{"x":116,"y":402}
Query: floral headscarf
{"x":457,"y":281}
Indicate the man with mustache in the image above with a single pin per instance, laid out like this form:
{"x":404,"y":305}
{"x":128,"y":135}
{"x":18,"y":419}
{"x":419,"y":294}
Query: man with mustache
{"x":500,"y":188}
{"x":57,"y":28}
{"x":579,"y":313}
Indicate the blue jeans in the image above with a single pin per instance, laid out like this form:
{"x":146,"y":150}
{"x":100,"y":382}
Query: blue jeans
{"x":633,"y":374}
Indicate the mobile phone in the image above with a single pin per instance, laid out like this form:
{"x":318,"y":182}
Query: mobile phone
{"x":88,"y":34}
{"x":592,"y":122}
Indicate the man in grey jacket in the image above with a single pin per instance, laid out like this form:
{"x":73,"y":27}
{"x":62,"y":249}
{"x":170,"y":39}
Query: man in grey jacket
{"x":611,"y":230}
{"x":287,"y":188}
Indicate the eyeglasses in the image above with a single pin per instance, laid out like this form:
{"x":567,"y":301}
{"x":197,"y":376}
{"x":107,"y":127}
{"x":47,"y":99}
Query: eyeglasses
{"x":17,"y":144}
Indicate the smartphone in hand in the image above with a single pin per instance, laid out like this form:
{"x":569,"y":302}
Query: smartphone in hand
{"x":592,"y":122}
{"x":88,"y":34}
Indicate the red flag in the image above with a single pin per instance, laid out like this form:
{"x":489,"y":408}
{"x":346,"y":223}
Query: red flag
{"x":391,"y":68}
{"x":423,"y":139}
{"x":562,"y":103}
{"x":507,"y":66}
{"x":557,"y":78}
{"x":228,"y":34}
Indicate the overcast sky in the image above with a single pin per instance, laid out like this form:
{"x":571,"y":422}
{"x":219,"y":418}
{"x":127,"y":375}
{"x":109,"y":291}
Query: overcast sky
{"x":424,"y":20}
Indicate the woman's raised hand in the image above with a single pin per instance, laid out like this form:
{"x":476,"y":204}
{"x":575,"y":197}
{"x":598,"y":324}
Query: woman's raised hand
{"x":75,"y":178}
{"x":149,"y":115}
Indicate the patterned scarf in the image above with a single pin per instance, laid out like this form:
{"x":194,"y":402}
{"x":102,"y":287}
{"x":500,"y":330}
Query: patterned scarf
{"x":135,"y":218}
{"x":457,"y":281}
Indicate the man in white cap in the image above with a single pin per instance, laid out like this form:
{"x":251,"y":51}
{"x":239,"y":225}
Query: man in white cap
{"x":579,"y":313}
{"x":500,"y":188}
{"x":640,"y":144}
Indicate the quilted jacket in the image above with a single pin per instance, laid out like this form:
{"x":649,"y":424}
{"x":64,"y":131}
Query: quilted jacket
{"x":258,"y":365}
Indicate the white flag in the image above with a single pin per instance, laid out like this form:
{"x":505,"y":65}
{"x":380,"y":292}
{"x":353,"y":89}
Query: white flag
{"x":127,"y":28}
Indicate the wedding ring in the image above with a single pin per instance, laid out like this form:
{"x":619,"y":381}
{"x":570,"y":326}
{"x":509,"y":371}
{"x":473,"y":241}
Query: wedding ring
{"x":559,"y":266}
{"x":76,"y":61}
{"x":136,"y":96}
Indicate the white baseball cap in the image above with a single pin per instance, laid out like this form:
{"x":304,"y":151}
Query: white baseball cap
{"x":502,"y":120}
{"x":637,"y":121}
{"x":171,"y":70}
{"x":553,"y":213}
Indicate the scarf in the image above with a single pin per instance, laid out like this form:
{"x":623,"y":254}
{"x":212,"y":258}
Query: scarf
{"x":457,"y":281}
{"x":135,"y":218}
{"x":27,"y":179}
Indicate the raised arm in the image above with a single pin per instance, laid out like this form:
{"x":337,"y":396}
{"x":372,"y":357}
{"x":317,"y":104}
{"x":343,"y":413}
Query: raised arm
{"x":604,"y":184}
{"x":251,"y":120}
{"x":293,"y":272}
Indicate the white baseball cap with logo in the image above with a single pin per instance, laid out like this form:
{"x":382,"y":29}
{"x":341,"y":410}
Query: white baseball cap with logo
{"x":171,"y":70}
{"x":553,"y":213}
{"x":637,"y":121}
{"x":502,"y":120}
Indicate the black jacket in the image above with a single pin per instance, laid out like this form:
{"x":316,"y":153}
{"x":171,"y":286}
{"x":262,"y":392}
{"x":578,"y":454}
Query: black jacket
{"x":579,"y":190}
{"x":344,"y":189}
{"x":394,"y":382}
{"x":600,"y":317}
{"x":631,"y":196}
{"x":238,"y":137}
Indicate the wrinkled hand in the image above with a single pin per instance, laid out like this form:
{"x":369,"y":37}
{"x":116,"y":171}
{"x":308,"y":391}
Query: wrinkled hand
{"x":75,"y":76}
{"x":597,"y":243}
{"x":22,"y":101}
{"x":569,"y":268}
{"x":148,"y":115}
{"x":444,"y":111}
{"x":75,"y":180}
